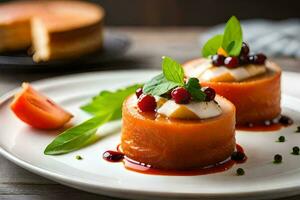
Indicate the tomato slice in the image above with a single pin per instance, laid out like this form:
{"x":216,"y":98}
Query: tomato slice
{"x":37,"y":110}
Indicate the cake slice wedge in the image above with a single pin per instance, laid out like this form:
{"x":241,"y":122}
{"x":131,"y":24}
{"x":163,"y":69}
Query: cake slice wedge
{"x":55,"y":29}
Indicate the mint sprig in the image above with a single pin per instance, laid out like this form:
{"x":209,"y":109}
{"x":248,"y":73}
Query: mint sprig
{"x":212,"y":45}
{"x":231,"y":40}
{"x":172,"y":76}
{"x":172,"y":70}
{"x":107,"y":106}
{"x":233,"y":37}
{"x":158,"y":86}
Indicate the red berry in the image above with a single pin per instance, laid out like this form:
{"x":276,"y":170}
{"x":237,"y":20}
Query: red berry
{"x":217,"y":60}
{"x":260,"y":59}
{"x":146,"y":103}
{"x":244,"y":60}
{"x":251,"y":59}
{"x":231,"y":62}
{"x":181,"y":95}
{"x":245,"y":50}
{"x":113,"y":156}
{"x":210,"y":94}
{"x":139,"y":92}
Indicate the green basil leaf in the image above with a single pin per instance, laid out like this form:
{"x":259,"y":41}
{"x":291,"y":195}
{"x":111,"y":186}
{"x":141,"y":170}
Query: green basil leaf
{"x":110,"y":102}
{"x":194,"y":88}
{"x":158,"y":85}
{"x":233,"y":37}
{"x":77,"y":136}
{"x":212,"y":45}
{"x":172,"y":70}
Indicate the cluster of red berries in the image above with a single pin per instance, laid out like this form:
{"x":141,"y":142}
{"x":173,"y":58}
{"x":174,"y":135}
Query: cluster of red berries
{"x":182,"y":96}
{"x":242,"y":59}
{"x":147,"y":103}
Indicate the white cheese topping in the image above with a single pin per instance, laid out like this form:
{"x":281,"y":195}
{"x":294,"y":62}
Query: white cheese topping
{"x":205,"y":71}
{"x":239,"y":73}
{"x":205,"y":109}
{"x":213,"y":72}
{"x":168,"y":108}
{"x":192,"y":110}
{"x":197,"y":71}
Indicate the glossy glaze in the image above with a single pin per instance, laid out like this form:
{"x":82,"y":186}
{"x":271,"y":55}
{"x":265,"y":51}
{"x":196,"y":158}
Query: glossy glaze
{"x":269,"y":125}
{"x":144,"y":168}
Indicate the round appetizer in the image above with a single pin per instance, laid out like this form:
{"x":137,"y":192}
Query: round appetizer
{"x":176,"y":124}
{"x":249,"y":81}
{"x":55,"y":29}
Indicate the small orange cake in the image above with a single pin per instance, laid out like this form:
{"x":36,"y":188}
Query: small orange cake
{"x":256,"y":98}
{"x":250,"y":81}
{"x":180,"y":144}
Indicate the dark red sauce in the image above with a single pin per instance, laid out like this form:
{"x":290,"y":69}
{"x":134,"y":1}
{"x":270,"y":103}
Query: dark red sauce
{"x":113,"y":156}
{"x":240,"y":150}
{"x":147,"y":169}
{"x":268,"y":125}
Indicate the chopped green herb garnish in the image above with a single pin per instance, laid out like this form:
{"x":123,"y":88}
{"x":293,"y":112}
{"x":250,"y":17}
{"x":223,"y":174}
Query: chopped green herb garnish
{"x":231,"y":40}
{"x":78,"y":157}
{"x":295,"y":150}
{"x":298,"y":129}
{"x":107,"y":106}
{"x":194,"y":88}
{"x":277,"y":159}
{"x":240,"y":172}
{"x":281,"y":139}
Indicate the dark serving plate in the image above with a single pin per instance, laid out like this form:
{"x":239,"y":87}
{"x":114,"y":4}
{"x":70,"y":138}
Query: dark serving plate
{"x":114,"y":46}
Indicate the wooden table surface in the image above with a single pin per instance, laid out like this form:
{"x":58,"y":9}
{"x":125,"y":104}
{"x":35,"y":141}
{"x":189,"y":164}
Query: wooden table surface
{"x":148,"y":45}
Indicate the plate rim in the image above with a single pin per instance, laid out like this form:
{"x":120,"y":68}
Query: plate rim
{"x":107,"y":189}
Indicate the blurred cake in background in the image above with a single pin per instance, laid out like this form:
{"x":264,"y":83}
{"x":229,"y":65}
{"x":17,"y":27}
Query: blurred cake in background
{"x":53,"y":29}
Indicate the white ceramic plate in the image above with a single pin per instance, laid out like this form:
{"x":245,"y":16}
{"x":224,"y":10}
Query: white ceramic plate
{"x":263,"y":179}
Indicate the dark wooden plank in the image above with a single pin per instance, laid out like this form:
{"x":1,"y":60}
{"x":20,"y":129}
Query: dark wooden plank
{"x":71,"y":196}
{"x":193,"y":12}
{"x":13,"y":174}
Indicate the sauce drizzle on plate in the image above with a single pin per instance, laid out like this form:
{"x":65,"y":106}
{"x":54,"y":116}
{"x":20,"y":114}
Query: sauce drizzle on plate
{"x":144,"y":168}
{"x":268,"y":125}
